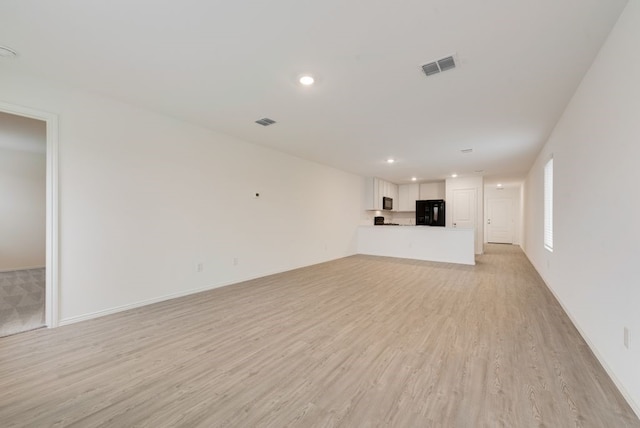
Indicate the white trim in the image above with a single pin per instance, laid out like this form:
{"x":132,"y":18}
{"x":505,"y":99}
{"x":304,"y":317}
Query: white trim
{"x":139,"y":304}
{"x":548,"y":205}
{"x":52,"y":258}
{"x":634,"y":406}
{"x":22,"y":268}
{"x":110,"y":311}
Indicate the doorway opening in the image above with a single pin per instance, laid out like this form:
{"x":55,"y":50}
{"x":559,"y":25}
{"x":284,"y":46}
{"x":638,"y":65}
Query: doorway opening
{"x":29,"y":219}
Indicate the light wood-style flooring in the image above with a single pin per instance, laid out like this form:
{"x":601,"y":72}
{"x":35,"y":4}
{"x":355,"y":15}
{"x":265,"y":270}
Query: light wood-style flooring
{"x":358,"y":342}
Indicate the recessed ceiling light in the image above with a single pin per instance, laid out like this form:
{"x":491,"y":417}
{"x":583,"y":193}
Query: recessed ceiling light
{"x":499,"y":185}
{"x":413,"y":178}
{"x":6,"y":52}
{"x":454,"y":175}
{"x":391,"y":160}
{"x":306,"y":80}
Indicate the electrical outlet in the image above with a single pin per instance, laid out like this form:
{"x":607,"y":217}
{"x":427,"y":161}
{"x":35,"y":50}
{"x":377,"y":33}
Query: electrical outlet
{"x":626,"y":337}
{"x":199,"y":267}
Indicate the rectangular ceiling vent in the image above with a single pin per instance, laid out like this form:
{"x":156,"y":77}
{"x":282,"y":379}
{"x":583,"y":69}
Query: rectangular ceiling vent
{"x":431,"y":68}
{"x":440,"y":65}
{"x":265,"y":121}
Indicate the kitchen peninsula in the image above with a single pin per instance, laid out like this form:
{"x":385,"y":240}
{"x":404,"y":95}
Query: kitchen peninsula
{"x":437,"y":244}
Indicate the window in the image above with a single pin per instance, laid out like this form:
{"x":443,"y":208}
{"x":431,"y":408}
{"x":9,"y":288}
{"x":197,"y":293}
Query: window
{"x":548,"y":205}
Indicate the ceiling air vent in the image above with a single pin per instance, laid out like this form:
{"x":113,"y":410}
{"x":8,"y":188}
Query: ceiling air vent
{"x":431,"y":68}
{"x":436,"y":67}
{"x":446,"y":63}
{"x":265,"y":121}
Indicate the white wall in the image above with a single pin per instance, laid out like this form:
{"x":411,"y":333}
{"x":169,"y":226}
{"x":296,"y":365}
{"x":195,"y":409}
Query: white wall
{"x":593,"y":269}
{"x":22,"y":209}
{"x":434,"y":190}
{"x":144,"y":198}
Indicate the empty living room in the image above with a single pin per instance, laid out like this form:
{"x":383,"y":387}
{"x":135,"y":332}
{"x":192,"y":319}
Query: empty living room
{"x":343,"y":214}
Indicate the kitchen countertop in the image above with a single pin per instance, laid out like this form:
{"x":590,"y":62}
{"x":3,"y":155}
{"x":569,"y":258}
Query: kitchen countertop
{"x":433,"y":243}
{"x":411,"y":225}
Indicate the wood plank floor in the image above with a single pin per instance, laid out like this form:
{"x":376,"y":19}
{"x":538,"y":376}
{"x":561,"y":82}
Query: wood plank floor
{"x":358,"y":342}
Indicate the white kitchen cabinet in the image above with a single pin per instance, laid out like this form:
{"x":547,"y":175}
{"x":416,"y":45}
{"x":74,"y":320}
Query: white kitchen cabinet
{"x":434,"y":190}
{"x":372,"y":192}
{"x":408,"y":194}
{"x":394,"y":195}
{"x":376,"y":189}
{"x":390,"y":190}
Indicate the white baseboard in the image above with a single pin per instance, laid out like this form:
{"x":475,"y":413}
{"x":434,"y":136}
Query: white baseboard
{"x":21,"y":268}
{"x":109,"y":311}
{"x":634,"y":406}
{"x":114,"y":310}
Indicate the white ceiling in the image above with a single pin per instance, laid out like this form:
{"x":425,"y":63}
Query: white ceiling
{"x":225,"y":64}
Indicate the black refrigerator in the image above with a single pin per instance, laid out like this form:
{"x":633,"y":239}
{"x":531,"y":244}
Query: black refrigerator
{"x":430,"y":213}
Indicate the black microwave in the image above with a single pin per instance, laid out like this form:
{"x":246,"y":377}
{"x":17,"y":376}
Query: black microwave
{"x":387,"y":203}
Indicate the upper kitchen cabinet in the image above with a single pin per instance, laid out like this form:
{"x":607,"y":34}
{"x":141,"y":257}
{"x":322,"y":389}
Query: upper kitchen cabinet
{"x":390,"y":190}
{"x":408,"y":194}
{"x":376,"y":189}
{"x":436,"y":190}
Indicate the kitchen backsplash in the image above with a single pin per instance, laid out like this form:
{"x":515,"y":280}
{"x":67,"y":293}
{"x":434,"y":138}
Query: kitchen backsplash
{"x":403,"y":218}
{"x":389,"y":217}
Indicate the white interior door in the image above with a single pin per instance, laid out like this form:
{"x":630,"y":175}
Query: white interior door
{"x":463,"y":214}
{"x":500,"y":221}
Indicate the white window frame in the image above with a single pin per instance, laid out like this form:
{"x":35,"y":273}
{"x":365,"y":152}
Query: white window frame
{"x":548,"y":205}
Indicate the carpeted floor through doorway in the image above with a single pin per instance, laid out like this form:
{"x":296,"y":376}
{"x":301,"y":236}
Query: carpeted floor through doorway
{"x":22,"y":297}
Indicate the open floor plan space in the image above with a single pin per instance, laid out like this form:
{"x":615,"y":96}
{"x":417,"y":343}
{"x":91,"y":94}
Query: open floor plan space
{"x":359,"y":341}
